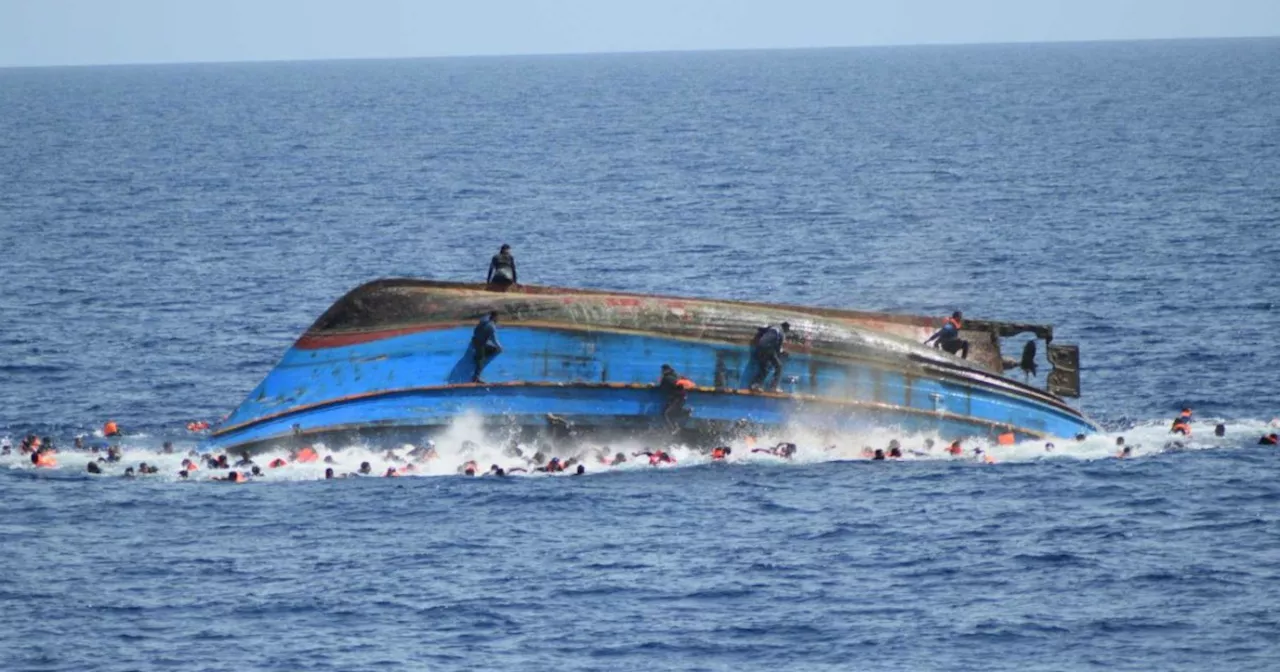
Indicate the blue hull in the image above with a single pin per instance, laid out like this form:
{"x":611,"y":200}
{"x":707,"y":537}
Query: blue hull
{"x":411,"y":382}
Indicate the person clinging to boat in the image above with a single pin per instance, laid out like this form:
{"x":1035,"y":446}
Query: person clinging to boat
{"x":948,"y":337}
{"x":502,"y":270}
{"x":484,"y":341}
{"x":675,"y":390}
{"x":767,"y":352}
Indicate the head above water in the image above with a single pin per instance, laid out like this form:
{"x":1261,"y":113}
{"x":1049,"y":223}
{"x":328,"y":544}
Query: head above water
{"x":504,"y":249}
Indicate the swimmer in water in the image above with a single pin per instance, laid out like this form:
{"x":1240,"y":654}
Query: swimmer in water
{"x":1220,"y":430}
{"x":1182,"y":424}
{"x":721,"y":453}
{"x":93,"y":468}
{"x":878,"y":454}
{"x":895,"y":449}
{"x":656,"y":457}
{"x":783,"y":450}
{"x":366,"y":468}
{"x":391,"y":473}
{"x":582,"y":469}
{"x":328,"y":473}
{"x":955,"y":449}
{"x":1271,"y":439}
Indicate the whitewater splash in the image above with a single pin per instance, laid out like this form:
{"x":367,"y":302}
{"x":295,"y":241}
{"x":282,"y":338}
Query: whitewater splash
{"x":466,"y":441}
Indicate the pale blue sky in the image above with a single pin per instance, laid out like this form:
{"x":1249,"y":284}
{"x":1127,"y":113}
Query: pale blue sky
{"x":65,"y":32}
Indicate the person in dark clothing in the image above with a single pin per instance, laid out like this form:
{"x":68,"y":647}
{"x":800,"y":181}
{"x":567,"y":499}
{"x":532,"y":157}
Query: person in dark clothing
{"x":484,"y":341}
{"x":948,"y":337}
{"x":767,"y":352}
{"x":502,"y":269}
{"x":674,"y":388}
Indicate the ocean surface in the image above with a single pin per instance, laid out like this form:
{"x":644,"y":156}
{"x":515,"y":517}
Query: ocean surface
{"x":167,"y":231}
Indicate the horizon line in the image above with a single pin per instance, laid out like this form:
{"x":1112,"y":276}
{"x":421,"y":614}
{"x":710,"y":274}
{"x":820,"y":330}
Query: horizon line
{"x":626,"y":52}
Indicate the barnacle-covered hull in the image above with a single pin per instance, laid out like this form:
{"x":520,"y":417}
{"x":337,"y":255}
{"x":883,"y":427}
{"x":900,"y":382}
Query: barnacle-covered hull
{"x":393,"y":358}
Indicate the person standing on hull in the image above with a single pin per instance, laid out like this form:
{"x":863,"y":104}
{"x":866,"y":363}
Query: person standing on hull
{"x":484,"y":341}
{"x":767,"y":353}
{"x":948,"y":337}
{"x":502,"y":270}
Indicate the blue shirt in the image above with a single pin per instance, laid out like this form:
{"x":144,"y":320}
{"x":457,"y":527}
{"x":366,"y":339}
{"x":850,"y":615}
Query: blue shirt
{"x":486,"y":333}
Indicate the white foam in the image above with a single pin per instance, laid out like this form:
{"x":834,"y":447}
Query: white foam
{"x":466,"y":441}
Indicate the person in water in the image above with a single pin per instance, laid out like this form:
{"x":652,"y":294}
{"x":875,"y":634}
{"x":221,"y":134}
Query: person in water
{"x":767,"y":352}
{"x":675,"y":391}
{"x":1271,"y":439}
{"x":656,"y":457}
{"x":1182,"y":424}
{"x":502,"y":269}
{"x":948,"y":337}
{"x":484,"y":343}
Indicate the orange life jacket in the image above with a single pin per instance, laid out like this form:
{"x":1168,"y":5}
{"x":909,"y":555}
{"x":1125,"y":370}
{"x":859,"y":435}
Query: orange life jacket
{"x":1180,"y":426}
{"x":685,"y":384}
{"x":110,"y":429}
{"x":307,"y":454}
{"x":1006,"y":439}
{"x":718,"y":454}
{"x":953,"y":322}
{"x":197,"y":426}
{"x":236,"y":477}
{"x":955,"y":448}
{"x":46,"y":460}
{"x":278,"y":462}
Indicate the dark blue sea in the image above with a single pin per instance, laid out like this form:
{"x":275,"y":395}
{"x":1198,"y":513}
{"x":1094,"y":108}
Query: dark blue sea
{"x":167,"y":231}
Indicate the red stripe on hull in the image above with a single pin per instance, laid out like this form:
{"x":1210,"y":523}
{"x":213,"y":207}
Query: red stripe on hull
{"x":322,"y":341}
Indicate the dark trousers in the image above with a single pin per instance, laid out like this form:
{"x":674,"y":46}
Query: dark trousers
{"x":673,"y":412}
{"x":767,"y":360}
{"x":956,"y":345}
{"x":484,"y":354}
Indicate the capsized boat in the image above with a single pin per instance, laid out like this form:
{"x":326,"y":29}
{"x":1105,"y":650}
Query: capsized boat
{"x":392,"y":360}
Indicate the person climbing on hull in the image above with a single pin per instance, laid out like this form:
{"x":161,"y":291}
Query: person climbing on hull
{"x":502,"y":270}
{"x":948,"y":337}
{"x":484,"y":343}
{"x":675,"y":390}
{"x":767,"y":352}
